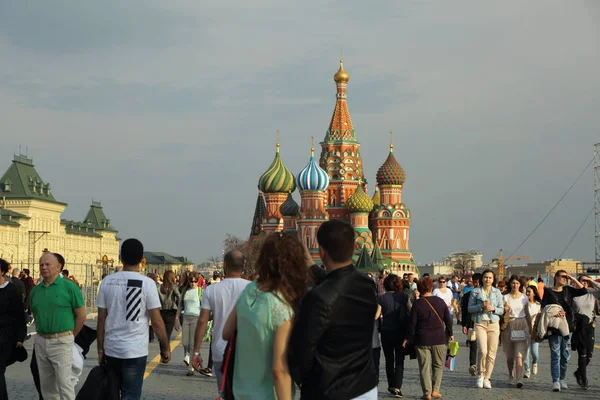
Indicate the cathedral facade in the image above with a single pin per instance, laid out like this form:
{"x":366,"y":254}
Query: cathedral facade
{"x":334,"y":187}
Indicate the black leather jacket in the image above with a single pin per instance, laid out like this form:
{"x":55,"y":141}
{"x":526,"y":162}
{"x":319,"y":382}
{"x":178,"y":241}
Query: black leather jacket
{"x":330,"y":352}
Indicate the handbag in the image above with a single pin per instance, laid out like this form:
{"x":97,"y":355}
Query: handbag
{"x":517,"y":335}
{"x":471,"y":335}
{"x":226,"y":388}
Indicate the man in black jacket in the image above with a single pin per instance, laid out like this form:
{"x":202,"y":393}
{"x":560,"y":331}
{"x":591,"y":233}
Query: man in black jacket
{"x":330,"y":345}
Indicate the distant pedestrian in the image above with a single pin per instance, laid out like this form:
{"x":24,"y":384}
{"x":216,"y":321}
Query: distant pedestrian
{"x":127,"y":300}
{"x":58,"y":307}
{"x":560,"y":346}
{"x":516,"y":336}
{"x":219,"y":299}
{"x":486,"y":307}
{"x":534,"y":306}
{"x":16,"y":280}
{"x":445,"y":293}
{"x":12,"y":324}
{"x":394,"y":329}
{"x":343,"y":305}
{"x":430,"y":329}
{"x":468,"y":326}
{"x":170,"y":299}
{"x":189,"y":309}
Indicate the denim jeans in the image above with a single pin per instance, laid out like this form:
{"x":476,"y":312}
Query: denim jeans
{"x":131,"y":375}
{"x":217,"y":365}
{"x":560,"y":351}
{"x":533,"y":354}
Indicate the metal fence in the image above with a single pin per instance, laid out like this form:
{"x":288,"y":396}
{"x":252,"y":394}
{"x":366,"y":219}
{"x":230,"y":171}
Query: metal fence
{"x":87,"y":276}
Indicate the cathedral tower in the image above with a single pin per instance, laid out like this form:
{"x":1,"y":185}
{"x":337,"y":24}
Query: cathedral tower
{"x":340,"y":154}
{"x":391,"y":219}
{"x":359,"y":205}
{"x":312,"y":183}
{"x":276,"y":183}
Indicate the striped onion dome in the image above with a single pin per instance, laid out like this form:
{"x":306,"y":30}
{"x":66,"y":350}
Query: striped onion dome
{"x":289,"y":208}
{"x":277,"y":179}
{"x":359,"y":201}
{"x":312,"y":177}
{"x":391,"y":173}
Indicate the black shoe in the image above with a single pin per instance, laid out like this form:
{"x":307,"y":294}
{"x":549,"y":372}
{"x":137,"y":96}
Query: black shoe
{"x":585,"y":385}
{"x":578,"y":378}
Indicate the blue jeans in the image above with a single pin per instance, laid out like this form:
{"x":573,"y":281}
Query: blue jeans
{"x":560,"y":351}
{"x":131,"y":375}
{"x":217,"y":365}
{"x":533,"y":354}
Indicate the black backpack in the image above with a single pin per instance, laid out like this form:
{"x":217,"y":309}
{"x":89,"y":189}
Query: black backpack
{"x":102,"y":383}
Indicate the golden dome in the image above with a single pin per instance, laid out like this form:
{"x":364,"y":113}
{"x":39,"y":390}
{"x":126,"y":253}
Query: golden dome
{"x":341,"y":76}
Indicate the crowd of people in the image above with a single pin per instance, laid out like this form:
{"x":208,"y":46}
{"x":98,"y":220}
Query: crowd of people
{"x":318,"y":330}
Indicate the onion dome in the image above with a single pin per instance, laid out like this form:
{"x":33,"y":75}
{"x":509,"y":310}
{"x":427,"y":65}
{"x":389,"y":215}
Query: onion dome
{"x":359,"y":201}
{"x":391,"y":173}
{"x":277,"y":179}
{"x":376,"y":197}
{"x":289,"y":208}
{"x":341,"y":76}
{"x":312,"y":177}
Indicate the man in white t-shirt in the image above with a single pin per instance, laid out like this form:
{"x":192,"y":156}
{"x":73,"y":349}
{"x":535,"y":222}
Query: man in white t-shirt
{"x":126,"y":301}
{"x":219,"y":299}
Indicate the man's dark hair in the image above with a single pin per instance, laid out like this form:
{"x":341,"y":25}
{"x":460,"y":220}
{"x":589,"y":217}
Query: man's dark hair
{"x":336,"y":237}
{"x":132,"y":252}
{"x":26,"y":271}
{"x":4,"y":266}
{"x":60,"y":259}
{"x":65,"y":273}
{"x":476,"y":277}
{"x":234,"y":261}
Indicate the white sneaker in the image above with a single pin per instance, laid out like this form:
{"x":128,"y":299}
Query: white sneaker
{"x":534,"y":369}
{"x":563,"y":384}
{"x":527,"y":374}
{"x":556,"y":387}
{"x":479,"y":382}
{"x":487,"y":384}
{"x":511,"y":380}
{"x":186,"y":359}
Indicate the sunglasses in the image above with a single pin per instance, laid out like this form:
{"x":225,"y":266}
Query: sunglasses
{"x":193,"y":281}
{"x":442,"y":281}
{"x":563,"y":276}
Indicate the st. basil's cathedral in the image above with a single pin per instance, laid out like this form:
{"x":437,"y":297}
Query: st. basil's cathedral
{"x":335,"y":188}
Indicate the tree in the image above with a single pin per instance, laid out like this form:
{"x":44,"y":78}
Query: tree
{"x":215,"y":261}
{"x":463,"y":263}
{"x":232,"y":242}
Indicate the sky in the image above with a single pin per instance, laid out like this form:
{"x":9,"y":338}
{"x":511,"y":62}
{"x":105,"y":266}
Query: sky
{"x":166,"y":112}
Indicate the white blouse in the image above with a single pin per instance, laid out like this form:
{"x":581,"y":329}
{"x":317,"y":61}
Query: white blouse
{"x":517,"y":306}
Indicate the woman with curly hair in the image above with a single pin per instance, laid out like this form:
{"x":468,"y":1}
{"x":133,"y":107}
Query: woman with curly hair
{"x":263,"y":317}
{"x":170,"y":298}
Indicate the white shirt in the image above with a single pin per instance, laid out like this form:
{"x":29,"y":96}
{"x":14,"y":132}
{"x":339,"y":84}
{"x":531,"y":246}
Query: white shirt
{"x":220,"y":298}
{"x":447,"y":297}
{"x":127,"y":296}
{"x":517,"y":306}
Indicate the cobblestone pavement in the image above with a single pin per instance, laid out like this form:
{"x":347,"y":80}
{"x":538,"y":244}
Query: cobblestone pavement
{"x":169,"y":382}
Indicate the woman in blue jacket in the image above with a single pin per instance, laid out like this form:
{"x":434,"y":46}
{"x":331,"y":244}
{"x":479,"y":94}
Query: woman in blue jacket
{"x":486,"y":307}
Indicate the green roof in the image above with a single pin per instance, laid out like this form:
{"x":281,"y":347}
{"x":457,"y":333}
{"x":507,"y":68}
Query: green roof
{"x":364,"y":260}
{"x":156,"y":257}
{"x":21,"y":181}
{"x":260,"y":210}
{"x":79,"y":228}
{"x":9,"y":217}
{"x":96,"y":217}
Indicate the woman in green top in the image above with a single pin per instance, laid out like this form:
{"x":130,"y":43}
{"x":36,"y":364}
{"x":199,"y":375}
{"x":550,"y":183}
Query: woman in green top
{"x":263,"y":317}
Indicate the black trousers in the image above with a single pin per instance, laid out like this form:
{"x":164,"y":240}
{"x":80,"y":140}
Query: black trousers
{"x":472,"y":352}
{"x":583,"y":341}
{"x":394,"y":353}
{"x":6,"y":345}
{"x":168,"y":317}
{"x":377,"y":360}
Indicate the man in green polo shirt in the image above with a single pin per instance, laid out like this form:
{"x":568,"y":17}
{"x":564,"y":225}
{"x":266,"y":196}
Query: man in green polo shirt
{"x":59,"y":311}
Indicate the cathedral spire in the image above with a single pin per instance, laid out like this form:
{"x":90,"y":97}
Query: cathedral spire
{"x":340,"y":127}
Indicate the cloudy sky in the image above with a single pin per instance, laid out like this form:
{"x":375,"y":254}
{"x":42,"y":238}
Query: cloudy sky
{"x":167,"y":111}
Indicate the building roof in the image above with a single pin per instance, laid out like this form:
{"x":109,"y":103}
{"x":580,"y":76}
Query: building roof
{"x":277,"y":178}
{"x":289,"y":208}
{"x":364,"y":260}
{"x":22,"y":181}
{"x":97,"y":218}
{"x":260,"y":211}
{"x":312,"y":177}
{"x":359,"y":201}
{"x":391,"y":173}
{"x":157,"y":257}
{"x":340,"y":127}
{"x":79,"y":228}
